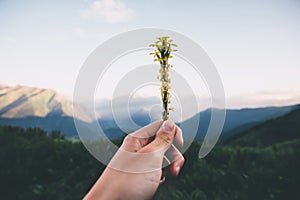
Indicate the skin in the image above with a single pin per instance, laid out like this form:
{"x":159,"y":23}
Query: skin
{"x":116,"y":182}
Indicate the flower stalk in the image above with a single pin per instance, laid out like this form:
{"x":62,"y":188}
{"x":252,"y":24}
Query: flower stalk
{"x":162,"y":53}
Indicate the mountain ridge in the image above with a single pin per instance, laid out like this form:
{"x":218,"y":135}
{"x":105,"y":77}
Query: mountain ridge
{"x":239,"y":120}
{"x":21,"y":101}
{"x":283,"y":128}
{"x":28,"y":107}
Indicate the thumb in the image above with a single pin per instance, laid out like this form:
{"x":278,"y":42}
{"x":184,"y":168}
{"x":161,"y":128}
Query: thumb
{"x":163,"y":139}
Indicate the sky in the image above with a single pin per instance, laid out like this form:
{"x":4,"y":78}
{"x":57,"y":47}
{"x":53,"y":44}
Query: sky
{"x":255,"y":45}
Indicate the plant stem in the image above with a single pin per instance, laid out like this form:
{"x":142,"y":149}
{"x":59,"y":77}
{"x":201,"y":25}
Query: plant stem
{"x":162,"y":54}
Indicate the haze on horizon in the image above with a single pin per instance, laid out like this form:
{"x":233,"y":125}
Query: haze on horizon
{"x":254,"y":45}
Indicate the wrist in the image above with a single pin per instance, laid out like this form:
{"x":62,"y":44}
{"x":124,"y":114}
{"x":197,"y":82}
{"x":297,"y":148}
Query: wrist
{"x":104,"y":188}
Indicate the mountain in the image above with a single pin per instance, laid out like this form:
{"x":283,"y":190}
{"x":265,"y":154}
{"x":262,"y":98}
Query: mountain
{"x":127,"y":116}
{"x":34,"y":107}
{"x":239,"y":120}
{"x":21,"y":102}
{"x":281,"y":129}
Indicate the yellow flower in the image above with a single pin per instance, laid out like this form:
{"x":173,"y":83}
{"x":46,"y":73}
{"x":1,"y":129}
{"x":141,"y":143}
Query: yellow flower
{"x":162,"y":54}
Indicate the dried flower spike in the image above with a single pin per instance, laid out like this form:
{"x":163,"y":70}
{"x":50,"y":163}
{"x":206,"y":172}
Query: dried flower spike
{"x":162,"y":53}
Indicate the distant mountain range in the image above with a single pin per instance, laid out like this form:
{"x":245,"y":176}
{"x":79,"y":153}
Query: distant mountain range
{"x":34,"y":107}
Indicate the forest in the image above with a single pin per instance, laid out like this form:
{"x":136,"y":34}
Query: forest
{"x":35,"y":164}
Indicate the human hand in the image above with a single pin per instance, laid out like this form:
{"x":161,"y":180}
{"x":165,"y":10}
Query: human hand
{"x":136,"y":169}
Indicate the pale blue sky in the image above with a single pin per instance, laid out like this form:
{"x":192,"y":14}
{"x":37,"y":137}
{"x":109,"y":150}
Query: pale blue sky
{"x":255,"y":45}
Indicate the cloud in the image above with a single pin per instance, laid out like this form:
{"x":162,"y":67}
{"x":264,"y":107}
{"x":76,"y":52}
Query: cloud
{"x":79,"y":32}
{"x":265,"y":98}
{"x":110,"y":11}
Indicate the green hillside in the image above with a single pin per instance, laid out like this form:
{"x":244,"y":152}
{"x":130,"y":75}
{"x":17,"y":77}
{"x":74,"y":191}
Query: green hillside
{"x":273,"y":131}
{"x":34,"y":165}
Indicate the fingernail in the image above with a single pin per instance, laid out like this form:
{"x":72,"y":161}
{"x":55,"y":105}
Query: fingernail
{"x":167,"y":125}
{"x":177,"y":170}
{"x":182,"y":140}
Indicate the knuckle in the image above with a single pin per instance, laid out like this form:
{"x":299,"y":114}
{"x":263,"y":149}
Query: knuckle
{"x":165,"y":138}
{"x":129,"y":139}
{"x":183,"y":159}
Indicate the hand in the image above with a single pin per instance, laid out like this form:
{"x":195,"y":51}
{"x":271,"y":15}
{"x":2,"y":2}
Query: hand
{"x":136,"y":169}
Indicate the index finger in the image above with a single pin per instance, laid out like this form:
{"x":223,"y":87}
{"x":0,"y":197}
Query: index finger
{"x":140,"y":138}
{"x":147,"y":131}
